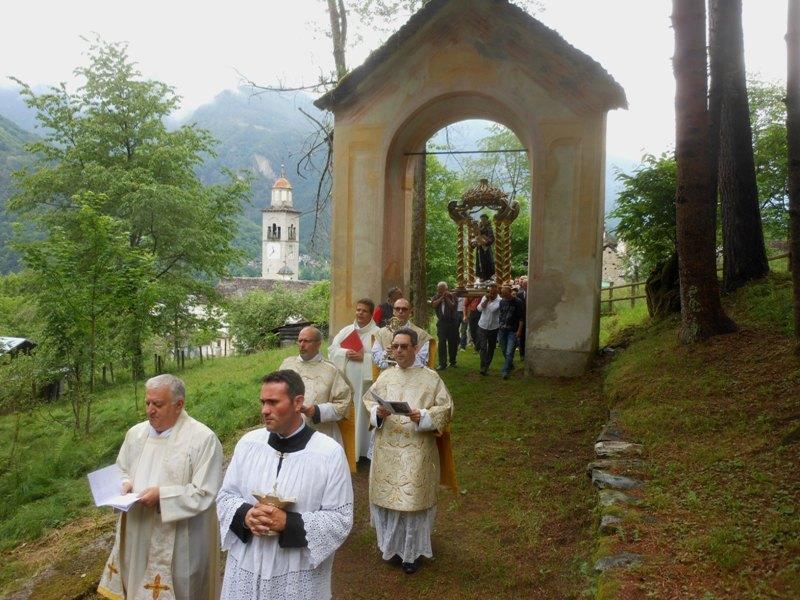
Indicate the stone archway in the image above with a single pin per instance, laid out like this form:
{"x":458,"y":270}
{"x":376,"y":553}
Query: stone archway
{"x":460,"y":59}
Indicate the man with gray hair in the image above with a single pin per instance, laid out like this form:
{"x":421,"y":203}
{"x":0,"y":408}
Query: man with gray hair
{"x":168,"y":542}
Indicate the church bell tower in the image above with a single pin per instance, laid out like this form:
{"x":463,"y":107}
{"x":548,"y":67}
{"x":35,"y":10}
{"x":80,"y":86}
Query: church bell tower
{"x":280,"y":233}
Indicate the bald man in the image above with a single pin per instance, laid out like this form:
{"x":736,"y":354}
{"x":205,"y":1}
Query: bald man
{"x":328,"y":396}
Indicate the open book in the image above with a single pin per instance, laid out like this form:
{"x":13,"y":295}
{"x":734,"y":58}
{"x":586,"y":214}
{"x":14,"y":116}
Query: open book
{"x":106,"y":484}
{"x":396,"y":408}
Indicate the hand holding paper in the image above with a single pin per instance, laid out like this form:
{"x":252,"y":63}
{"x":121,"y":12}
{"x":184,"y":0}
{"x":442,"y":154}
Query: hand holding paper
{"x":106,"y":484}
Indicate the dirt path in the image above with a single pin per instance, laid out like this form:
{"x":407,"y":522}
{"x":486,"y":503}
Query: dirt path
{"x":522,"y":526}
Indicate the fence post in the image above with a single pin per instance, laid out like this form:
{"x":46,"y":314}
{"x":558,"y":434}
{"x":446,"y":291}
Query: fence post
{"x":633,"y":294}
{"x":611,"y":298}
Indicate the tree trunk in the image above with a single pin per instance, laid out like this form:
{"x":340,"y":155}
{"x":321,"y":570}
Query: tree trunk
{"x":793,"y":134}
{"x":663,"y":290}
{"x":702,"y":315}
{"x":137,"y":359}
{"x":743,"y":252}
{"x":338,"y":15}
{"x":418,"y":292}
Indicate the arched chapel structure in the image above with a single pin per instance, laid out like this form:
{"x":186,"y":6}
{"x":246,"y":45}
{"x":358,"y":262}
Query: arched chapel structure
{"x":477,"y":59}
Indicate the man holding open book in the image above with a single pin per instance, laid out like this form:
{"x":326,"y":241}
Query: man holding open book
{"x":410,"y":407}
{"x":167,"y":542}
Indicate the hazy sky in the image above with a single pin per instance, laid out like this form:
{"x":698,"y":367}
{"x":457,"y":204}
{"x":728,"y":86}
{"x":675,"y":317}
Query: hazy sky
{"x":198,"y":48}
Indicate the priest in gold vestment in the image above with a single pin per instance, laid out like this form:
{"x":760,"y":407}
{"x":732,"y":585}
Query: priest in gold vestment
{"x":405,"y":471}
{"x":382,"y":354}
{"x":328,"y":395}
{"x":167,"y":544}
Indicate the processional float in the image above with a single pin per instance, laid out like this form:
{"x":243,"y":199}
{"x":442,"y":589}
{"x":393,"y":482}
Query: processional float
{"x":475,"y":236}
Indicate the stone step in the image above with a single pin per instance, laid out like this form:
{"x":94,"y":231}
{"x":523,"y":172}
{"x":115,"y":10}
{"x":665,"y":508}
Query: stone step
{"x":623,"y":560}
{"x":602,"y":480}
{"x":618,"y":449}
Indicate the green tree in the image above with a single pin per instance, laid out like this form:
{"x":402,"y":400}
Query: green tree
{"x":109,"y":138}
{"x":768,"y":119}
{"x":252,"y":318}
{"x":442,"y":186}
{"x":646,"y":211}
{"x":87,"y":281}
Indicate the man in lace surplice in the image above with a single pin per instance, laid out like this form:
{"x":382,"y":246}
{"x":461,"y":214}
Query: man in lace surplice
{"x":274,"y":553}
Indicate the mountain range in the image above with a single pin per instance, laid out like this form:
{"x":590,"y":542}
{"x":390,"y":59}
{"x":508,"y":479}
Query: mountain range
{"x":259,"y":133}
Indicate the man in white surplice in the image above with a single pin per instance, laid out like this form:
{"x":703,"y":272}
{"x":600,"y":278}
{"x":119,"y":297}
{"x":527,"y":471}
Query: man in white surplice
{"x":283,"y":553}
{"x":405,"y":471}
{"x":357,"y":370}
{"x":167,"y":543}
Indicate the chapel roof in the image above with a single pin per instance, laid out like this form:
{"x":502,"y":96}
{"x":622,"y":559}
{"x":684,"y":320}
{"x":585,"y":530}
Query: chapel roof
{"x":282,"y":183}
{"x":551,"y":55}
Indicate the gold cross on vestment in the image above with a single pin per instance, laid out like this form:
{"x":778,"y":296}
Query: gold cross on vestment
{"x":112,"y":569}
{"x":156,"y":587}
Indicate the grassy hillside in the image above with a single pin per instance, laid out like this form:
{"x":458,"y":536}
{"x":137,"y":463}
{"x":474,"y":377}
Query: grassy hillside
{"x":720,"y":422}
{"x":721,"y":425}
{"x":43,"y":485}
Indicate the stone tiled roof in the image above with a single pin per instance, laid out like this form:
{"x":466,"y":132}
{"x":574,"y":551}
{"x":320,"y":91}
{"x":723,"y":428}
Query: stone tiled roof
{"x":236,"y":287}
{"x":557,"y":61}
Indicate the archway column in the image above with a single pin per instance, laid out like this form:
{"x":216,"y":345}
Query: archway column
{"x":565,"y":253}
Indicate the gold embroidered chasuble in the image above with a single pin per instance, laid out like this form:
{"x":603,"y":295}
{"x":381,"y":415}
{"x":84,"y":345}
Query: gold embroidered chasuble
{"x":406,"y":464}
{"x":327,"y":388}
{"x":171,"y":550}
{"x":385,"y":335}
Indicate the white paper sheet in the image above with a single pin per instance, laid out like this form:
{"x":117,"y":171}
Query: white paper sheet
{"x":396,"y":408}
{"x":106,"y":485}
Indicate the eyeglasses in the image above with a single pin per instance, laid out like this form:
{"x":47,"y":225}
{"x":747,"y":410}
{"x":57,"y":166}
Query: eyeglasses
{"x":401,"y":309}
{"x":401,"y":346}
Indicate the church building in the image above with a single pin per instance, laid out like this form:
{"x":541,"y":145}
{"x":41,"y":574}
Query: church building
{"x":280,"y":235}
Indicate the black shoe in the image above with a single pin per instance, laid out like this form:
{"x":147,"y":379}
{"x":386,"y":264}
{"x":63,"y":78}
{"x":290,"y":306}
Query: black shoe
{"x":453,"y":366}
{"x":411,"y":568}
{"x":484,"y":372}
{"x":441,"y":368}
{"x":505,"y":375}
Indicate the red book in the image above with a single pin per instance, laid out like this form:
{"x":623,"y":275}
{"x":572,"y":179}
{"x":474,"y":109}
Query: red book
{"x":352,"y":342}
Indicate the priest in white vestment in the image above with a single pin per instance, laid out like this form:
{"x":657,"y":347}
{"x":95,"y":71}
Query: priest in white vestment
{"x":382,"y":354}
{"x":167,"y":544}
{"x":283,"y":553}
{"x":405,"y":471}
{"x":357,"y":370}
{"x":328,"y":395}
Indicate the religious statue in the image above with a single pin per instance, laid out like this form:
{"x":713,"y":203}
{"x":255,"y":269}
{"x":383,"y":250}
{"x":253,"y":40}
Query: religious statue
{"x":484,"y":256}
{"x":488,"y":263}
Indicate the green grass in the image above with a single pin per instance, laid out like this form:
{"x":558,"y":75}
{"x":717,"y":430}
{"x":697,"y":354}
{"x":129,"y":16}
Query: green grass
{"x":714,"y":418}
{"x":624,"y":317}
{"x":44,"y":486}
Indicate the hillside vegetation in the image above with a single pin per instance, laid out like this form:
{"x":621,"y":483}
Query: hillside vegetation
{"x":720,"y":422}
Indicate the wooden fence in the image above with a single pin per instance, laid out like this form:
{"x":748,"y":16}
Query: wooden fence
{"x":614,"y":293}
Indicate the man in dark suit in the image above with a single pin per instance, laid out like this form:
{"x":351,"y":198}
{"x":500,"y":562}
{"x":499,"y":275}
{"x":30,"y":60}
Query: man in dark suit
{"x":445,"y":304}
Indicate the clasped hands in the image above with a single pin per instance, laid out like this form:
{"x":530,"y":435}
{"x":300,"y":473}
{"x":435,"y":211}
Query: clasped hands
{"x":263,"y":518}
{"x":414,"y":415}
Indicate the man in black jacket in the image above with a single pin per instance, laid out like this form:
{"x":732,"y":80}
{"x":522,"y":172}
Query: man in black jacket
{"x":445,"y":304}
